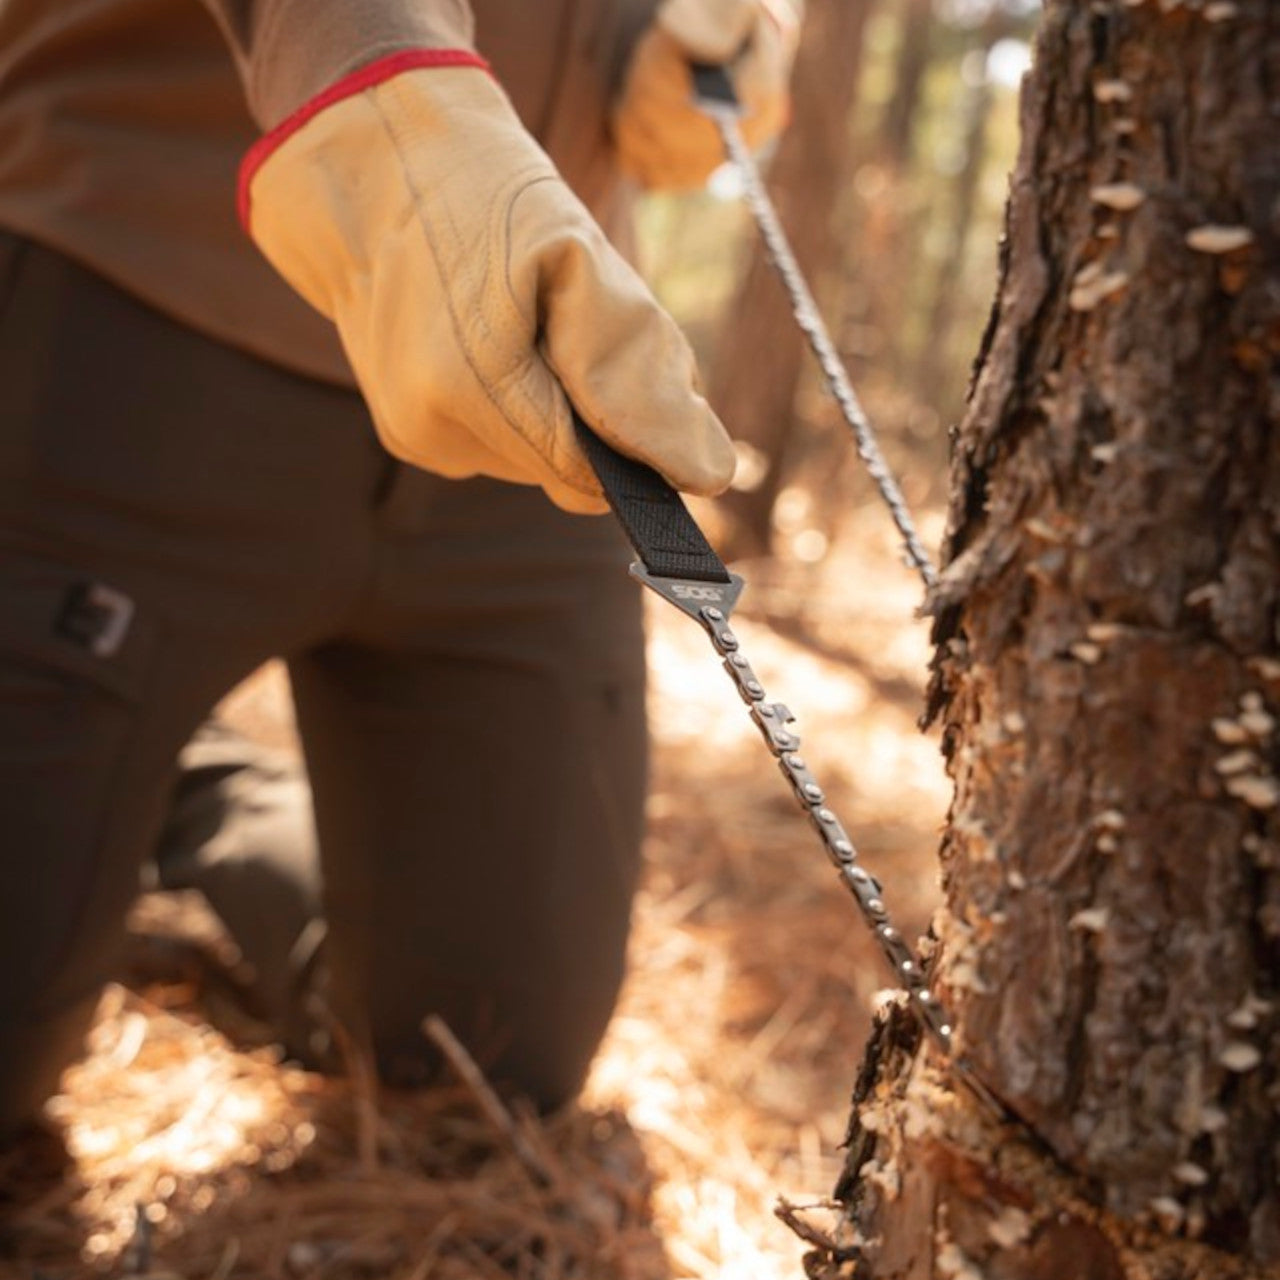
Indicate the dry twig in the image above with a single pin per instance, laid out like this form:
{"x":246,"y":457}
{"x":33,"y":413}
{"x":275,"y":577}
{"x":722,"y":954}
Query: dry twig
{"x":503,"y":1122}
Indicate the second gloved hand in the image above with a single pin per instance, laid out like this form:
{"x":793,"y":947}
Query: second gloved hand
{"x":664,"y":140}
{"x":474,"y":294}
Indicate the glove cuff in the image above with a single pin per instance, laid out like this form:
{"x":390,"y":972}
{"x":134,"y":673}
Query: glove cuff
{"x":372,"y":73}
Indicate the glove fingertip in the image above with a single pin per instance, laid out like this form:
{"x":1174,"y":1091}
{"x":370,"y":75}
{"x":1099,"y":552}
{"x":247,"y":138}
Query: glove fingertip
{"x":716,"y":463}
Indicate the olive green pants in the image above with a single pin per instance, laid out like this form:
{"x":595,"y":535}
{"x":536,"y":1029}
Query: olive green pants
{"x":466,"y":663}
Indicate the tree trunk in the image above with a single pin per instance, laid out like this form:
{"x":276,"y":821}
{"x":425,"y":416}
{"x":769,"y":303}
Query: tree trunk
{"x":1108,"y":676}
{"x":760,"y":351}
{"x":898,"y":127}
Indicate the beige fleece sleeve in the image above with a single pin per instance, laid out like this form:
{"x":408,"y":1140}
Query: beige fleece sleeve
{"x":287,"y":51}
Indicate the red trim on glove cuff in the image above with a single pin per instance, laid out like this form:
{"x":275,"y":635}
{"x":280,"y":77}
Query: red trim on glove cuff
{"x":357,"y":81}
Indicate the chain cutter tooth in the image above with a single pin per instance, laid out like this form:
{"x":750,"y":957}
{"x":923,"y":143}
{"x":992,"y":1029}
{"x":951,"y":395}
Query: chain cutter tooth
{"x":772,"y":721}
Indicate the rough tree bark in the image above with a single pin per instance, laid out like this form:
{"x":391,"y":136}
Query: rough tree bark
{"x":760,"y":351}
{"x":1108,"y":679}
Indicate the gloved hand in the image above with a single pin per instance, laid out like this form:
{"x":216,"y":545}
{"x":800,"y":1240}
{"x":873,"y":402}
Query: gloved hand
{"x":663,"y":140}
{"x":470,"y":288}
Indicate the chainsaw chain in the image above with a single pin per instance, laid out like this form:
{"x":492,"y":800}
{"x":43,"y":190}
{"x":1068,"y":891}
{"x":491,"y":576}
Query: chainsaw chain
{"x":774,"y":720}
{"x":777,"y":726}
{"x":811,"y":324}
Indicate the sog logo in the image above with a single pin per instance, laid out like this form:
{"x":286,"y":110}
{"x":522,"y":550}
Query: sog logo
{"x":684,"y":591}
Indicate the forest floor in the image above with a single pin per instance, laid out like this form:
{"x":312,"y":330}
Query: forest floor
{"x":725,"y":1078}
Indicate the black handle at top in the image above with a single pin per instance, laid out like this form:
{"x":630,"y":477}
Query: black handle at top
{"x":658,"y":525}
{"x":712,"y":85}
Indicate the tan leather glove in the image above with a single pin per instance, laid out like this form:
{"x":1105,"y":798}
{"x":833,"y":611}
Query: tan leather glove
{"x":663,"y":140}
{"x":471,"y":289}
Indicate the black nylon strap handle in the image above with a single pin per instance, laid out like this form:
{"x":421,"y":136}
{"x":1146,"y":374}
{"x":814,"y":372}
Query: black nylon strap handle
{"x":652,"y":514}
{"x":711,"y":85}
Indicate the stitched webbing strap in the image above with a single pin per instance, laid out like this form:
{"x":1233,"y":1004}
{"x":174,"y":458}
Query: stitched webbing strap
{"x":712,"y":87}
{"x":653,"y":516}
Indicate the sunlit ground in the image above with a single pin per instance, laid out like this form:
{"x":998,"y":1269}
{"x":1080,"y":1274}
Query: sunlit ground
{"x":724,"y":1080}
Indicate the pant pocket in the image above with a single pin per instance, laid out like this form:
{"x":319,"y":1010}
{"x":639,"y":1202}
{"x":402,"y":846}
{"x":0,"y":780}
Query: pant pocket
{"x":62,"y":624}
